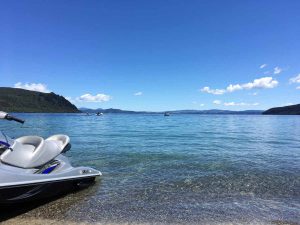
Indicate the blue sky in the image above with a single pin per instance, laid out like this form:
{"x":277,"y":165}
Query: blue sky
{"x":154,"y":55}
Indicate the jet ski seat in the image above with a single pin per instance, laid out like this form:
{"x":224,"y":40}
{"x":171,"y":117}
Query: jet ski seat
{"x":33,"y":151}
{"x":60,"y":139}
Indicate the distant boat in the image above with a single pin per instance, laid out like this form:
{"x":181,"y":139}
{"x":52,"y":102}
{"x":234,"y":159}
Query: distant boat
{"x":167,"y":114}
{"x":99,"y":114}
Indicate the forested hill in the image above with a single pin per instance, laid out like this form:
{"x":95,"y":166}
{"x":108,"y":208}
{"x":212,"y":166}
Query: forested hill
{"x":285,"y":110}
{"x":20,"y":100}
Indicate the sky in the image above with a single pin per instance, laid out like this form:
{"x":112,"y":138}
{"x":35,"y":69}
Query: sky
{"x":154,"y":55}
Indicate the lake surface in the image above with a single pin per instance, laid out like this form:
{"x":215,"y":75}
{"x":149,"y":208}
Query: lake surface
{"x":179,"y":169}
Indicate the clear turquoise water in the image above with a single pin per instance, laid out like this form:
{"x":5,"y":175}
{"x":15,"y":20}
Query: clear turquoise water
{"x":178,"y":169}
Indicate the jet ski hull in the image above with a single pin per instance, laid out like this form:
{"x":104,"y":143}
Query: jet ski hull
{"x":44,"y":190}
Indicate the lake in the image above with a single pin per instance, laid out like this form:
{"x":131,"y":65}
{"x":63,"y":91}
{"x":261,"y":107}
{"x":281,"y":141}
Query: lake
{"x":181,"y":169}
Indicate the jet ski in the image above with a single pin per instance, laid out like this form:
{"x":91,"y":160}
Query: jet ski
{"x":33,"y":168}
{"x":167,"y":114}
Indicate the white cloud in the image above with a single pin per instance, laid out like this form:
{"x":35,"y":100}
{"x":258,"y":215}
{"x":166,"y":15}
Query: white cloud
{"x":217,"y":102}
{"x":202,"y":104}
{"x":213,"y":91}
{"x":138,"y":93}
{"x":94,"y":98}
{"x":240,"y":104}
{"x":72,"y":100}
{"x":277,"y":70}
{"x":298,"y":88}
{"x":264,"y":82}
{"x":229,"y":103}
{"x":260,"y":83}
{"x":295,"y":79}
{"x":235,"y":87}
{"x":263,"y":66}
{"x":68,"y":98}
{"x":33,"y":87}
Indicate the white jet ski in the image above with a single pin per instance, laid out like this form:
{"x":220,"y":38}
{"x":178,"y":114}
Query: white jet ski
{"x":33,"y":168}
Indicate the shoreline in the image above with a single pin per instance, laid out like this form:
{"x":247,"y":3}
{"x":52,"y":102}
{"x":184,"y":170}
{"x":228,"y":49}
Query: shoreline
{"x":38,"y":221}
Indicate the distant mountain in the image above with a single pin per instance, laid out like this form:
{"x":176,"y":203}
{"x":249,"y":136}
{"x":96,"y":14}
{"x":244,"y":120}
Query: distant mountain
{"x":285,"y":110}
{"x":216,"y":111}
{"x":111,"y":110}
{"x":212,"y":111}
{"x":20,"y":100}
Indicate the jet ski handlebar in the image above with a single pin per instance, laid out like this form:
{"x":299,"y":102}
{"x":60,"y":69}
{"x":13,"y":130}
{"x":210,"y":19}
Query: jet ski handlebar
{"x":4,"y":115}
{"x":9,"y":117}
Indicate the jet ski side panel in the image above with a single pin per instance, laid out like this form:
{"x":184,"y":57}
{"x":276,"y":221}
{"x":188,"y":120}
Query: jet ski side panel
{"x":31,"y":192}
{"x":13,"y":176}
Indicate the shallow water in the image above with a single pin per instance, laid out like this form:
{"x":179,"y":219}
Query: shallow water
{"x":177,"y":169}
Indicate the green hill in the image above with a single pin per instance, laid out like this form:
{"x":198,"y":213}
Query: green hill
{"x":285,"y":110}
{"x":20,"y":100}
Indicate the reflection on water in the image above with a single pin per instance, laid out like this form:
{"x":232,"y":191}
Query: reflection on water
{"x":178,"y":169}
